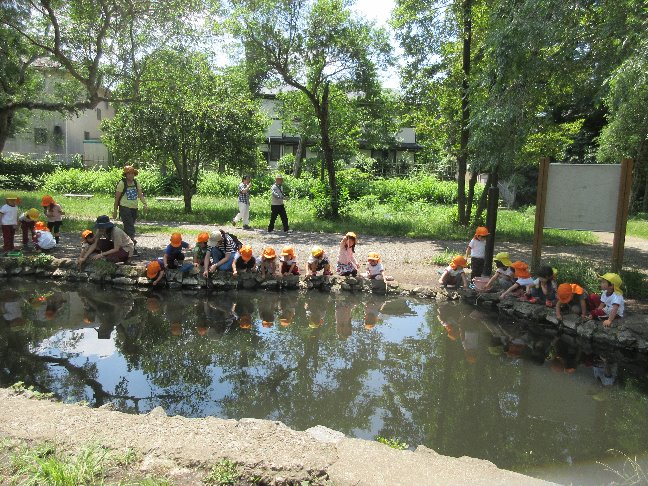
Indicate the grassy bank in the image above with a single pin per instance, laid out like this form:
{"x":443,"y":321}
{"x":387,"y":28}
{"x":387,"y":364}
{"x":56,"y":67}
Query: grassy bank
{"x":365,"y":216}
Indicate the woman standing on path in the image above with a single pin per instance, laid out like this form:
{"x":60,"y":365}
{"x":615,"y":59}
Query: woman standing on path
{"x":243,"y":203}
{"x":127,"y":192}
{"x":277,"y":207}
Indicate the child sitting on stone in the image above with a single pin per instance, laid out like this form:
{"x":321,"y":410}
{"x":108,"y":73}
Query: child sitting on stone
{"x":200,"y":250}
{"x":173,"y":254}
{"x":523,"y":281}
{"x":268,"y":266}
{"x":375,"y":269}
{"x":454,"y":273}
{"x":543,"y":287}
{"x":288,"y":261}
{"x":571,"y":297}
{"x":43,"y":239}
{"x":155,"y":270}
{"x":318,"y":260}
{"x":612,"y":304}
{"x":504,"y":275}
{"x":244,"y":262}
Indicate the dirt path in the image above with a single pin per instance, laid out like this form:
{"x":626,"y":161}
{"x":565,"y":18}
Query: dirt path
{"x":409,"y":261}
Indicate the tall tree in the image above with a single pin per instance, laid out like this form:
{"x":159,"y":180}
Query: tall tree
{"x":94,"y":43}
{"x":310,"y":45}
{"x":189,"y":116}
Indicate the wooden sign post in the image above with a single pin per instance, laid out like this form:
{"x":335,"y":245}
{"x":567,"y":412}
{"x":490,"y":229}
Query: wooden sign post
{"x":623,"y":207}
{"x":541,"y":200}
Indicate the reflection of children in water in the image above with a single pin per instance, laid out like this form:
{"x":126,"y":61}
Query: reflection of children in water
{"x":12,"y":307}
{"x":244,"y":309}
{"x":315,"y":312}
{"x":343,"y":310}
{"x":267,"y":311}
{"x":605,"y":370}
{"x":287,"y":310}
{"x":103,"y":311}
{"x":372,"y":314}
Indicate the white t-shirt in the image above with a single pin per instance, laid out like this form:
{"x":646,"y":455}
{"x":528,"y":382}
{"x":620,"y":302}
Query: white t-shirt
{"x":537,"y":283}
{"x":509,"y":272}
{"x":454,"y":273}
{"x":45,"y":240}
{"x":477,"y":248}
{"x":610,"y":300}
{"x":374,"y":270}
{"x":9,"y":215}
{"x":525,"y":281}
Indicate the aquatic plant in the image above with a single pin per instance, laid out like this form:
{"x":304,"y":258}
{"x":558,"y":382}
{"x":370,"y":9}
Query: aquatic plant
{"x":392,"y":442}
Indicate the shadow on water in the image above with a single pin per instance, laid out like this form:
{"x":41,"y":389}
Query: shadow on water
{"x":443,"y":375}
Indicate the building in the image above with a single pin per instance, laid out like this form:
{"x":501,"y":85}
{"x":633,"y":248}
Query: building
{"x":63,"y":135}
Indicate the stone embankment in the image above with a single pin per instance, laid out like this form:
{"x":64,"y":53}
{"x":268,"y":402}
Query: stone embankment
{"x":180,"y":447}
{"x":629,"y":333}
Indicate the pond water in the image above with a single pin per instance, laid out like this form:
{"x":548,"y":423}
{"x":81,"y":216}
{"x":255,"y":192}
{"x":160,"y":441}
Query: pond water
{"x":443,"y":375}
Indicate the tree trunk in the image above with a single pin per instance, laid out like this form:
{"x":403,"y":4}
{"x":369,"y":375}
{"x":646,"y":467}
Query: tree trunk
{"x":6,"y":117}
{"x":462,"y":160}
{"x":471,"y":194}
{"x":328,"y":152}
{"x":301,"y":150}
{"x":483,"y":200}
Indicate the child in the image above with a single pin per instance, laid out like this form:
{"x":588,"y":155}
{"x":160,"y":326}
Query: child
{"x":200,"y":250}
{"x":288,"y":261}
{"x":268,"y":266}
{"x":244,"y":262}
{"x":476,"y":250}
{"x":523,"y":280}
{"x":504,"y":275}
{"x":573,"y":297}
{"x":318,"y":260}
{"x":612,"y":304}
{"x":54,"y":215}
{"x":347,"y":263}
{"x":27,"y":223}
{"x":9,"y":219}
{"x":87,"y":241}
{"x":173,"y":255}
{"x":454,"y":273}
{"x":155,"y":270}
{"x":375,"y":269}
{"x":544,"y":287}
{"x":43,"y":239}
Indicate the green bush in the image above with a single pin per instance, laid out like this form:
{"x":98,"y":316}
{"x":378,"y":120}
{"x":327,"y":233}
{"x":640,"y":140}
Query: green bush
{"x":22,"y":172}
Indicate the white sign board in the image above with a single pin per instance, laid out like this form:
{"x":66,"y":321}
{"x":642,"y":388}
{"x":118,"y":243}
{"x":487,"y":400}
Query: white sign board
{"x":582,"y":196}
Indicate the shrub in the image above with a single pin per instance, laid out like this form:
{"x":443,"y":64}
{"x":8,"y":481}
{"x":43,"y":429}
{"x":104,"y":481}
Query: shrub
{"x":22,"y":172}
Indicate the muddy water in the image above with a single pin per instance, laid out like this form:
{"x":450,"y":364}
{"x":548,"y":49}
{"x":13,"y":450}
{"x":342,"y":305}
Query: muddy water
{"x":445,"y":376}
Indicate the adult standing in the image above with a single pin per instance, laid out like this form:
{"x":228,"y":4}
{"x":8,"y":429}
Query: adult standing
{"x":114,"y":244}
{"x":277,"y":207}
{"x":243,"y":203}
{"x":127,"y":193}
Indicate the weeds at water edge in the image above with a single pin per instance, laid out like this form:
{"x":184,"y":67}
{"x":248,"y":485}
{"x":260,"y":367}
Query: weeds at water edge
{"x":393,"y":442}
{"x":632,"y":473}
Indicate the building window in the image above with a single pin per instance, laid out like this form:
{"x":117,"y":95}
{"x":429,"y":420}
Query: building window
{"x":58,"y":136}
{"x":275,"y":151}
{"x":40,"y":136}
{"x":99,"y":114}
{"x":86,"y":135}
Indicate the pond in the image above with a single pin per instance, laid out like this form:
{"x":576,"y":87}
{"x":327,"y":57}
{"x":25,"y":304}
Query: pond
{"x":443,"y":375}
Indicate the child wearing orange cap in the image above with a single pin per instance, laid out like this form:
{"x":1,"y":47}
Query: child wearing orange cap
{"x":43,"y":238}
{"x":612,"y":304}
{"x":454,"y":273}
{"x":200,"y":250}
{"x":9,"y":219}
{"x":375,"y":269}
{"x":476,"y":250}
{"x":173,"y":254}
{"x":268,"y":266}
{"x":27,"y":222}
{"x":347,"y":263}
{"x":244,"y":261}
{"x":572,"y":297}
{"x":87,"y":240}
{"x":288,"y":261}
{"x":318,"y":260}
{"x":54,"y":214}
{"x":523,"y":280}
{"x":155,"y":270}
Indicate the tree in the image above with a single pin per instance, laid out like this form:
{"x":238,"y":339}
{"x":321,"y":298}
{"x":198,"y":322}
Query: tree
{"x":190,"y":116}
{"x":93,"y":43}
{"x":312,"y":45}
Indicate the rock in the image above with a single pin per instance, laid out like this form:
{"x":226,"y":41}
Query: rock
{"x":59,"y":273}
{"x":157,"y":412}
{"x":345,"y":286}
{"x":144,"y":282}
{"x":190,"y":281}
{"x":175,"y":285}
{"x":324,"y":434}
{"x":270,"y":285}
{"x":15,"y":270}
{"x":124,"y":281}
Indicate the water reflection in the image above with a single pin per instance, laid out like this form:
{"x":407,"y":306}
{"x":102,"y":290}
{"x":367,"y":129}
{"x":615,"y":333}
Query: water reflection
{"x":446,"y":376}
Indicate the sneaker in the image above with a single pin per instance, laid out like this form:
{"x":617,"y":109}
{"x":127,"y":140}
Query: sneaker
{"x":247,"y":227}
{"x":533,"y":300}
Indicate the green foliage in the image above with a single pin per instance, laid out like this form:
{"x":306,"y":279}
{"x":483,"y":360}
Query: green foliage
{"x":322,"y":201}
{"x":393,"y":442}
{"x":223,"y":473}
{"x":286,"y":163}
{"x":22,"y":172}
{"x":19,"y":387}
{"x":443,"y":258}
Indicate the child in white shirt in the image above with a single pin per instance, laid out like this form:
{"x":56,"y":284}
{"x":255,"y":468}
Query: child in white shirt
{"x":43,"y":239}
{"x":9,"y":219}
{"x":375,"y":269}
{"x":477,"y":251}
{"x":454,"y":273}
{"x":612,"y":304}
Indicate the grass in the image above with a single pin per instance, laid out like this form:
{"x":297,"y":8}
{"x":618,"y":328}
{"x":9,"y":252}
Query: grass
{"x":638,"y":226}
{"x":414,"y":220}
{"x":393,"y":442}
{"x":223,"y":473}
{"x":44,"y":463}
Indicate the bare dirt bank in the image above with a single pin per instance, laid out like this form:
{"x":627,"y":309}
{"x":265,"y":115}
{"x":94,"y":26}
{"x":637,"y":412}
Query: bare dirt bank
{"x":184,"y":448}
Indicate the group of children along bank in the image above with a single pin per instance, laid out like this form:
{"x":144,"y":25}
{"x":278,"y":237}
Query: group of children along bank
{"x":223,"y":251}
{"x":42,"y":235}
{"x":514,"y":279}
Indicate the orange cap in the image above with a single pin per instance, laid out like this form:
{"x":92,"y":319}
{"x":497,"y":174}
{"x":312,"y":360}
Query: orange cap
{"x":521,"y":269}
{"x":152,"y":269}
{"x":128,"y":169}
{"x":373,"y":256}
{"x":458,"y":261}
{"x":202,"y":238}
{"x":566,"y":291}
{"x":269,"y":253}
{"x":246,"y":253}
{"x":482,"y":231}
{"x":153,"y":304}
{"x":40,"y":226}
{"x":85,"y":234}
{"x":284,"y":322}
{"x":47,"y":200}
{"x":202,"y":330}
{"x":288,"y":251}
{"x":176,"y":329}
{"x":245,"y":321}
{"x":267,"y":324}
{"x":176,"y":240}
